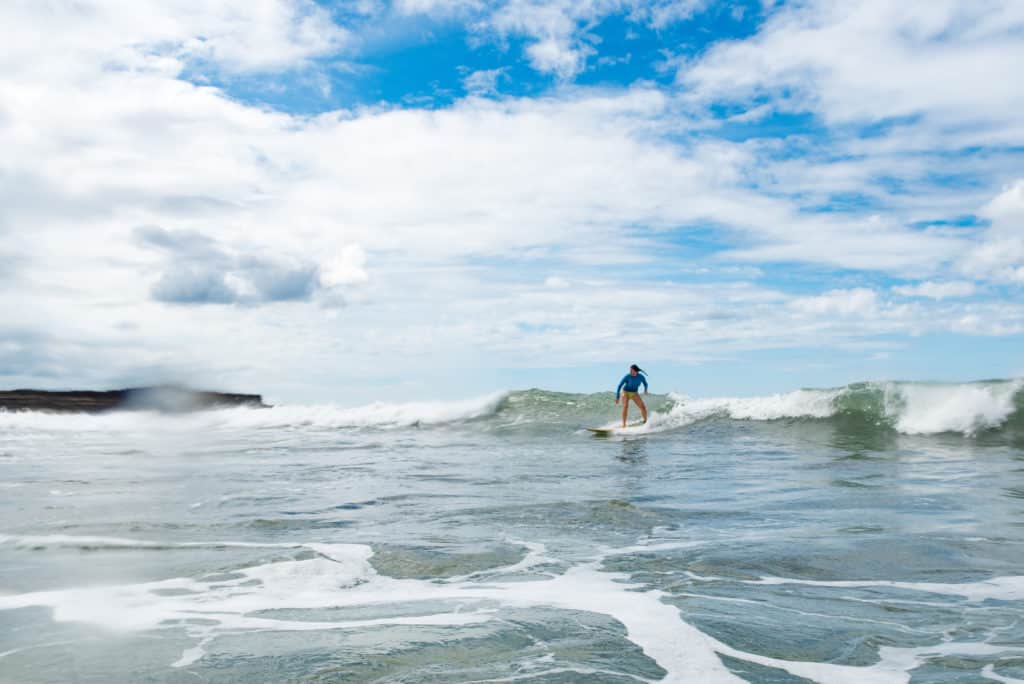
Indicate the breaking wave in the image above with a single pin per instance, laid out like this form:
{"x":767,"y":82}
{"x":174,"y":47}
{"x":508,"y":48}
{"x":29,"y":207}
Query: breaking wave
{"x":913,"y":408}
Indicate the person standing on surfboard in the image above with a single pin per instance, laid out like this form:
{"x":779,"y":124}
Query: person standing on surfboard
{"x":630,"y":386}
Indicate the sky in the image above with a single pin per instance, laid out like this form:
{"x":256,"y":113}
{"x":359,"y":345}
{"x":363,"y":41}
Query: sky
{"x":431,"y":199}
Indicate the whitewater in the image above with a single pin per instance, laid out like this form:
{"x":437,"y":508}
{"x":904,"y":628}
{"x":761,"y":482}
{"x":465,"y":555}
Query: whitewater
{"x":870,"y":533}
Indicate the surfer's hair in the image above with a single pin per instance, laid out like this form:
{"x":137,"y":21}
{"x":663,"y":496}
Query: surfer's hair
{"x":637,"y":368}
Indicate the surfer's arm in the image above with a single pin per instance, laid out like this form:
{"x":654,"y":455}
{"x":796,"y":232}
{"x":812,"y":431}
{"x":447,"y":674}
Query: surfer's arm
{"x":618,"y":389}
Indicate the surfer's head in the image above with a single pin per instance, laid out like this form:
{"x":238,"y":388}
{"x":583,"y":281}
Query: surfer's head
{"x":634,"y":369}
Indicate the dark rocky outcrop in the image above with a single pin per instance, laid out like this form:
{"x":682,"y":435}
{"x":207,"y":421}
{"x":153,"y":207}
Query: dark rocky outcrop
{"x":162,"y":398}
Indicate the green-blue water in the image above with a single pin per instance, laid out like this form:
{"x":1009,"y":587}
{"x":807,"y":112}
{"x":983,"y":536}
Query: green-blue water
{"x":873,"y":533}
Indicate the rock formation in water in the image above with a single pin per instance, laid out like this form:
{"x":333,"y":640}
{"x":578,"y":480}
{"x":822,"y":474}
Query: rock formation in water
{"x":163,"y":398}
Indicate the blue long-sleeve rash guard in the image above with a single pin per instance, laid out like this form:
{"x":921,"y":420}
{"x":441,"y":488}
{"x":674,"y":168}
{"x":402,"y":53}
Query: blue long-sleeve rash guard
{"x":631,"y":383}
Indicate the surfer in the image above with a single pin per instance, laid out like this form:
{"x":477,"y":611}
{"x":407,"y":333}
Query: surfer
{"x":630,"y":387}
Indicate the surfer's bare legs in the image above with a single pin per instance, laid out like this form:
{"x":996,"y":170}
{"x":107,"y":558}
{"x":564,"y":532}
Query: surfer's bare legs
{"x":625,"y":407}
{"x":640,"y":403}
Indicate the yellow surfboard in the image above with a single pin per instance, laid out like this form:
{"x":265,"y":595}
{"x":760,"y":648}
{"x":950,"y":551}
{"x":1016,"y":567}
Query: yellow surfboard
{"x":614,"y":429}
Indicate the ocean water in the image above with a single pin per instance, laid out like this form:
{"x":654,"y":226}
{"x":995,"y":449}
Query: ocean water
{"x":865,"y":534}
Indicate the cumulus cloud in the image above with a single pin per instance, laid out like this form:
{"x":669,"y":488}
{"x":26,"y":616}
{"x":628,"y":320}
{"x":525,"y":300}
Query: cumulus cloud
{"x":558,"y":46}
{"x":200,"y":270}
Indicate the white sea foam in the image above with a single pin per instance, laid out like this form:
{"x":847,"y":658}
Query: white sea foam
{"x":990,"y":673}
{"x":341,"y":577}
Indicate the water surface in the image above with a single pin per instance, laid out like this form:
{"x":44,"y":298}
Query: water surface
{"x":863,"y":534}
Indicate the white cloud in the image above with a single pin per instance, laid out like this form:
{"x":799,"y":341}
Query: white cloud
{"x":658,"y":15}
{"x":443,"y":7}
{"x":558,"y":56}
{"x":999,"y":254}
{"x":200,"y":270}
{"x":555,"y":27}
{"x":226,"y":35}
{"x":936,"y":76}
{"x":972,"y":323}
{"x":1006,"y":210}
{"x":348,"y":267}
{"x":556,"y":282}
{"x":950,"y":62}
{"x":859,"y":301}
{"x":937,"y":290}
{"x":869,"y":244}
{"x":483,"y":82}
